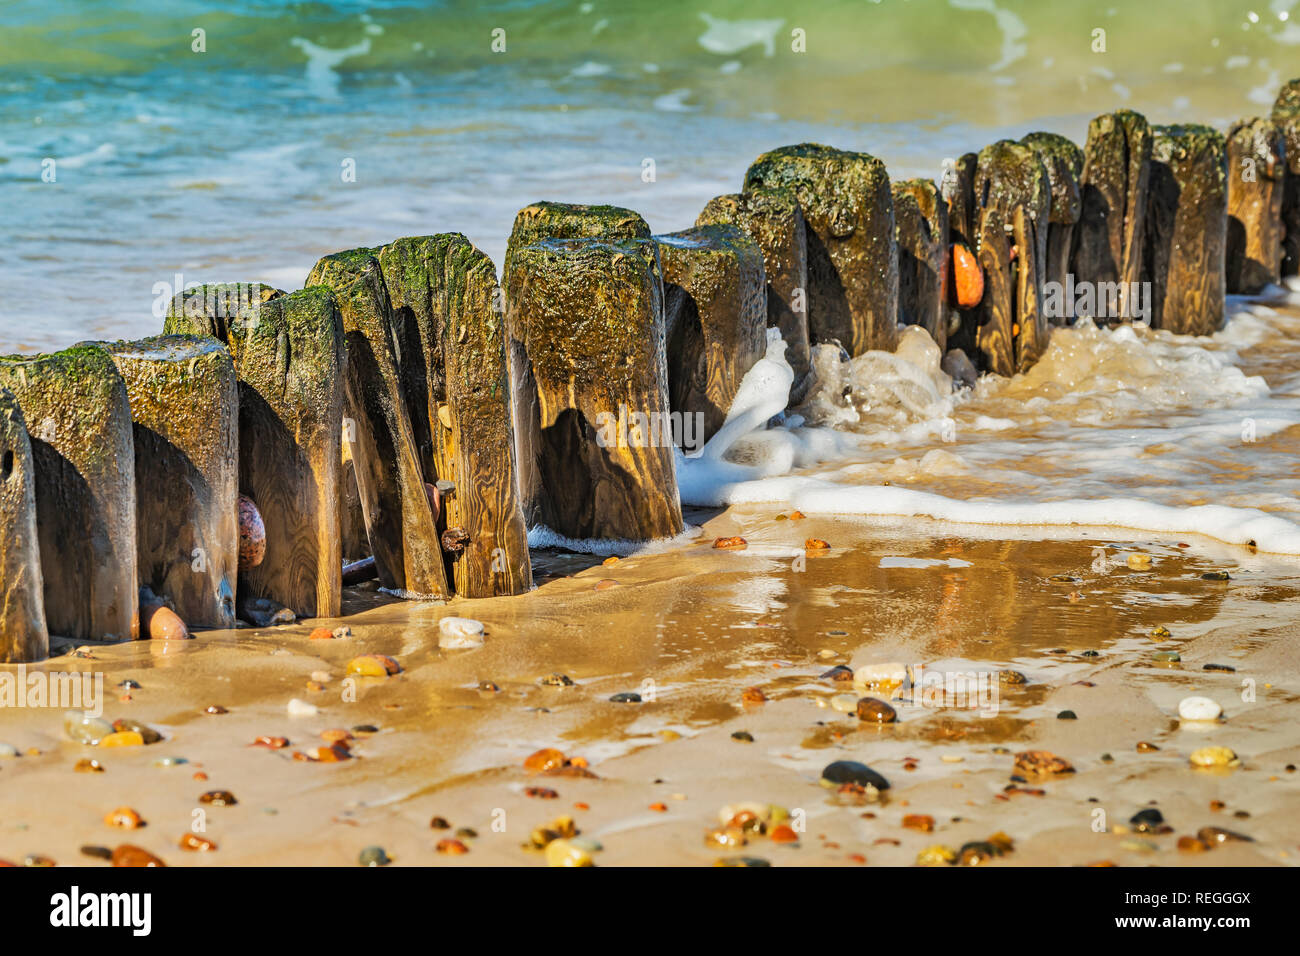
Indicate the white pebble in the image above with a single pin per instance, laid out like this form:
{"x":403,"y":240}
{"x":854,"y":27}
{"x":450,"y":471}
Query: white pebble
{"x":321,"y":677}
{"x":1198,"y":708}
{"x":8,"y":750}
{"x":844,"y":703}
{"x":459,"y":633}
{"x":301,"y":708}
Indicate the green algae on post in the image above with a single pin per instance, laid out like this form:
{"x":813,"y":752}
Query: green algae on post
{"x":1186,"y":229}
{"x":23,"y":634}
{"x":185,"y":414}
{"x":1063,"y":161}
{"x":79,"y":422}
{"x":458,"y":391}
{"x":1256,"y":187}
{"x":849,"y":217}
{"x":1113,"y":192}
{"x":385,"y":458}
{"x":289,"y":359}
{"x":1286,"y":113}
{"x":1013,"y":195}
{"x":715,"y":322}
{"x":921,"y":231}
{"x":585,"y":318}
{"x":775,"y":221}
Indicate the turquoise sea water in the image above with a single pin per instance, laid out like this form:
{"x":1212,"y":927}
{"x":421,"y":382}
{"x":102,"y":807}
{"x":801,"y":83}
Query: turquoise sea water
{"x":232,"y":163}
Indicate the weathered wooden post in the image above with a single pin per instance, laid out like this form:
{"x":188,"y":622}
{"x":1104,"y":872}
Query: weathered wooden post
{"x":1063,"y":162}
{"x":1286,"y":113}
{"x":386,"y":460}
{"x":289,"y":361}
{"x":957,"y":184}
{"x":715,"y":323}
{"x":23,"y":633}
{"x":1013,"y":196}
{"x":921,"y":232}
{"x":1113,"y":189}
{"x":1256,"y":184}
{"x":774,"y":219}
{"x":587,"y":317}
{"x":852,"y":261}
{"x":447,"y":290}
{"x":79,"y":423}
{"x":185,"y":413}
{"x":1186,"y":229}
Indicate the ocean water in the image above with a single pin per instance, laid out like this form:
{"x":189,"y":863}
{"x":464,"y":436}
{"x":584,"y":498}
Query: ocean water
{"x":150,"y":145}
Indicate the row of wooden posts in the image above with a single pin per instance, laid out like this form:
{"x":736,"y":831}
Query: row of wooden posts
{"x":406,"y":407}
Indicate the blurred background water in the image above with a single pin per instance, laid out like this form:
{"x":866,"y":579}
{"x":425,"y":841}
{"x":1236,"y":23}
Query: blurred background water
{"x":228,"y":164}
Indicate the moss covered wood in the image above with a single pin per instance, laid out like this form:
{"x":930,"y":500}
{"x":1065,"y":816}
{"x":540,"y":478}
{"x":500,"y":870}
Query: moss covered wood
{"x":1113,"y":189}
{"x":79,"y":424}
{"x":775,"y":221}
{"x":585,"y":317}
{"x":921,"y":232}
{"x":1063,"y":161}
{"x":289,"y":360}
{"x":458,"y":386}
{"x":24,"y":636}
{"x":1286,"y":113}
{"x":715,"y":323}
{"x":1186,"y":229}
{"x":386,"y":459}
{"x":185,"y":416}
{"x":849,"y":227}
{"x":1256,"y":189}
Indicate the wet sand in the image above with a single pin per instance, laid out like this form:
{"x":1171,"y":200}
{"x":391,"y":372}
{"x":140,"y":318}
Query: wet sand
{"x":702,"y":626}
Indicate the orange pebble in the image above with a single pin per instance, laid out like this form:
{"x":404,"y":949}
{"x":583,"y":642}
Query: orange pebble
{"x":271,"y":743}
{"x":965,"y":278}
{"x":753,"y":695}
{"x":200,"y":775}
{"x":321,"y":634}
{"x":816,"y":544}
{"x":548,"y":758}
{"x":797,"y":515}
{"x":192,"y":841}
{"x":335,"y":735}
{"x":124,"y":818}
{"x":783,"y":834}
{"x":581,"y":806}
{"x":123,"y":738}
{"x":734,"y":543}
{"x":452,"y":847}
{"x":659,"y":807}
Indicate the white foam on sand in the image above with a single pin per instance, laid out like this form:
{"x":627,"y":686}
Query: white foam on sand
{"x":1124,"y":428}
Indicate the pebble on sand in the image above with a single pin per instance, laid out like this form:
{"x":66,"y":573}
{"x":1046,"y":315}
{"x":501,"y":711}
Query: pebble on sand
{"x":1041,"y":763}
{"x":891,"y":674}
{"x":124,"y":818}
{"x":123,"y":738}
{"x":373,"y":665}
{"x":1199,"y":709}
{"x":563,"y":853}
{"x":302,"y":708}
{"x":734,"y":543}
{"x":192,"y":841}
{"x":130,"y":855}
{"x":85,"y":729}
{"x":459,"y":633}
{"x":875,"y":711}
{"x":163,"y":624}
{"x":373,"y":856}
{"x":851,"y":771}
{"x":1212,"y":757}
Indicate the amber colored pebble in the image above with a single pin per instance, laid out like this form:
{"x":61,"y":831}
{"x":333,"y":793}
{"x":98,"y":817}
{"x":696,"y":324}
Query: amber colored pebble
{"x":965,"y":278}
{"x":783,"y":834}
{"x":581,"y":806}
{"x":452,"y":847}
{"x":333,"y":753}
{"x":579,"y":762}
{"x":753,"y":695}
{"x":161,"y":623}
{"x":612,"y":559}
{"x":857,"y":858}
{"x":919,"y":821}
{"x":200,"y":775}
{"x":1190,"y":844}
{"x":321,"y":634}
{"x":659,"y":807}
{"x":548,"y":758}
{"x":129,"y":855}
{"x":192,"y":841}
{"x":124,"y":818}
{"x":215,"y":709}
{"x":271,"y":743}
{"x":541,"y":793}
{"x":816,"y":544}
{"x":123,"y":738}
{"x":1144,"y":747}
{"x":335,"y":735}
{"x":796,"y":515}
{"x":734,"y":543}
{"x":86,"y":765}
{"x":219,"y":798}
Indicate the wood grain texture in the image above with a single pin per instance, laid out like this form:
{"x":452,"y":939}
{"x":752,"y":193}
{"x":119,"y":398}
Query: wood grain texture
{"x":775,"y":221}
{"x":585,"y":317}
{"x":1012,"y":190}
{"x":921,"y":231}
{"x":1063,"y":161}
{"x":24,"y":636}
{"x":79,"y":424}
{"x":185,"y":415}
{"x":1113,"y":193}
{"x":386,"y":460}
{"x":715,"y":322}
{"x":849,"y":231}
{"x":289,"y":360}
{"x":448,"y":289}
{"x":1286,"y":114}
{"x":1256,"y":188}
{"x":1187,"y":222}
